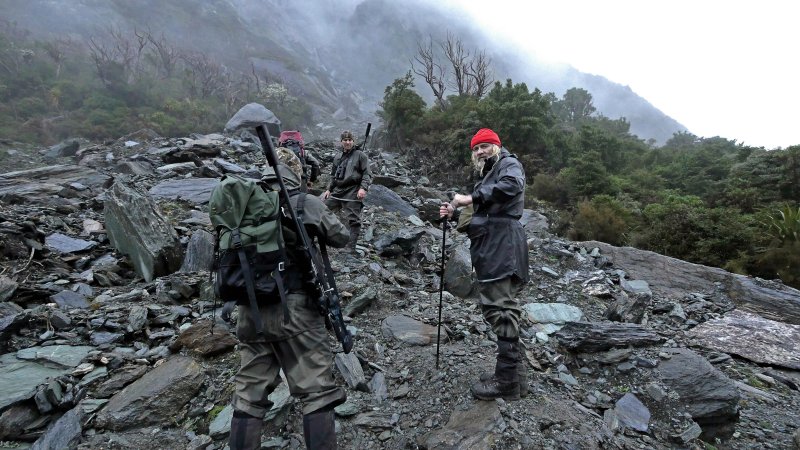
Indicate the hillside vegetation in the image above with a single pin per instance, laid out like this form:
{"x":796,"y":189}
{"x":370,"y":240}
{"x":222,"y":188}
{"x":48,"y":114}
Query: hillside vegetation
{"x":710,"y":201}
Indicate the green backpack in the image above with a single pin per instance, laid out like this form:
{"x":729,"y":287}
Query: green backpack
{"x":250,"y":254}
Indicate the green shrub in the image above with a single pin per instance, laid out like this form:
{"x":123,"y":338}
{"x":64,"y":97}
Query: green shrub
{"x":602,"y":219}
{"x":550,"y":188}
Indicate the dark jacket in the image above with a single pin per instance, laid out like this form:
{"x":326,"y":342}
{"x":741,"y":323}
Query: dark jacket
{"x":498,"y":245}
{"x":354,"y":174}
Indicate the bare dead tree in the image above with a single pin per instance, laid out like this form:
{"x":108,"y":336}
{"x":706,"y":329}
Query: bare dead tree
{"x":255,"y":75}
{"x":206,"y":76}
{"x":458,"y":56}
{"x":166,"y":55}
{"x":138,"y":48}
{"x":431,"y":71}
{"x":480,"y":73}
{"x":113,"y":57}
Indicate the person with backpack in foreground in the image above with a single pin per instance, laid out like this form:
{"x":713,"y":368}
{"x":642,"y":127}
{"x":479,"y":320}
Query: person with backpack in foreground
{"x":351,"y":178}
{"x":293,"y":337}
{"x":499,"y":252}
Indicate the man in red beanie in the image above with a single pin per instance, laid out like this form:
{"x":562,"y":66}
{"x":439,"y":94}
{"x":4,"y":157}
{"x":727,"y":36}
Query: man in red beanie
{"x":499,"y":253}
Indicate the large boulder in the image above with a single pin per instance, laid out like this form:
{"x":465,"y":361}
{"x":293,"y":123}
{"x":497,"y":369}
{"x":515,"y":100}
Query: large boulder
{"x":388,"y":200}
{"x":154,"y":398}
{"x":458,"y":272}
{"x":137,"y":228}
{"x":707,"y":394}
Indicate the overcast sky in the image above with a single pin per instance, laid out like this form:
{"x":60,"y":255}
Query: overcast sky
{"x":721,"y":68}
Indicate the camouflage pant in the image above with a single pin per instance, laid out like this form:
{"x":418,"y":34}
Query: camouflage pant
{"x":299,"y":347}
{"x":350,"y":210}
{"x":500,"y":306}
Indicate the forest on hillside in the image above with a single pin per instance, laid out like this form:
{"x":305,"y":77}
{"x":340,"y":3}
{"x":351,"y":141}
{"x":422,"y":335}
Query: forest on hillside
{"x":711,"y":200}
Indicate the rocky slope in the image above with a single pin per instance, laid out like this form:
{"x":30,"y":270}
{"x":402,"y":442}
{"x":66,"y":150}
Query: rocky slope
{"x":105,"y":348}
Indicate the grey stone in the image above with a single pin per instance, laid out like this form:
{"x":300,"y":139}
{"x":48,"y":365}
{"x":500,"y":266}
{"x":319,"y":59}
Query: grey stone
{"x":104,"y":337}
{"x":707,"y":394}
{"x":360,"y":303}
{"x":347,"y":409}
{"x":627,"y":308}
{"x":137,"y":228}
{"x":194,"y":190}
{"x":599,"y":336}
{"x":65,"y":244}
{"x":473,"y":429}
{"x":350,"y":368}
{"x":753,"y":337}
{"x":551,"y":317}
{"x":64,"y":433}
{"x":635,"y":286}
{"x":405,"y":241}
{"x":632,"y":413}
{"x":11,"y":315}
{"x":408,"y":330}
{"x":19,"y":379}
{"x":381,"y":420}
{"x":48,"y":181}
{"x":155,"y":397}
{"x":69,"y":300}
{"x":534,"y":222}
{"x":7,"y":288}
{"x":199,"y":338}
{"x":458,"y":272}
{"x":16,"y":419}
{"x":61,"y":356}
{"x":672,"y":278}
{"x":389,"y":200}
{"x":137,"y":318}
{"x":68,"y":147}
{"x":199,"y":252}
{"x":221,"y":425}
{"x":377,"y":386}
{"x":227,"y":166}
{"x":252,"y":115}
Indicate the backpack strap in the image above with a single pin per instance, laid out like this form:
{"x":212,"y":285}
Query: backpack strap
{"x":214,"y":262}
{"x":251,"y":288}
{"x":301,"y":206}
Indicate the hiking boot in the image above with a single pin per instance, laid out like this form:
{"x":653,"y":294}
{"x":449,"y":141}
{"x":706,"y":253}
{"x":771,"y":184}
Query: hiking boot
{"x":505,"y":381}
{"x":492,"y":389}
{"x":319,"y":430}
{"x":245,"y":432}
{"x":351,"y":244}
{"x":522,"y":374}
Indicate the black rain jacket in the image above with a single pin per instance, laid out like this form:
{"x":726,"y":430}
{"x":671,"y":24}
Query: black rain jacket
{"x":498,"y":245}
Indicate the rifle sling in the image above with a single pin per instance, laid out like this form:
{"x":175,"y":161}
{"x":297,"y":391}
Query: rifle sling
{"x":248,"y":277}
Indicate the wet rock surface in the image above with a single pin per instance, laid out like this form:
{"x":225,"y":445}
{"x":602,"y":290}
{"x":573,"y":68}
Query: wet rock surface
{"x":106,"y":337}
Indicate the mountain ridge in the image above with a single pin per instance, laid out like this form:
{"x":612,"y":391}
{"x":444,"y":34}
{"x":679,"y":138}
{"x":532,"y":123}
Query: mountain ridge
{"x":341,"y":54}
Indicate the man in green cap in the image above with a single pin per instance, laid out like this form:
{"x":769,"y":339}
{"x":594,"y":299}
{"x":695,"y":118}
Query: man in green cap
{"x":350,"y":180}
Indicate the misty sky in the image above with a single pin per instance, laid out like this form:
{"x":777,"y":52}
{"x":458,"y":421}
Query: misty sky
{"x":721,"y":68}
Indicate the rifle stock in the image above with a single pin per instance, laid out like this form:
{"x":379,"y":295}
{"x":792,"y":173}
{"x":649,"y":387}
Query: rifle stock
{"x":319,"y":271}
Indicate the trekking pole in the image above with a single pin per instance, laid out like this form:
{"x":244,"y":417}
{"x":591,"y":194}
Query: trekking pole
{"x":441,"y":290}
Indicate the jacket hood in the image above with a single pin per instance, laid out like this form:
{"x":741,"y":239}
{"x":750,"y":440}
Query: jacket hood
{"x":290,"y":179}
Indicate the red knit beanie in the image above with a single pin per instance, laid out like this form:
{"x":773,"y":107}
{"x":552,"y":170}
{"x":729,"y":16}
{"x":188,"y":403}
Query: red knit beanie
{"x":484,"y":135}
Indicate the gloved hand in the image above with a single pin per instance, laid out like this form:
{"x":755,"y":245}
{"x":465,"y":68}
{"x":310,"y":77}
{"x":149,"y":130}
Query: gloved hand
{"x":227,"y":309}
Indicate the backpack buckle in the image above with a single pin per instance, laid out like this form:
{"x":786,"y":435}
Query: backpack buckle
{"x":281,"y":266}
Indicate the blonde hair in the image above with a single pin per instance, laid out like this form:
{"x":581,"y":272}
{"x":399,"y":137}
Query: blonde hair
{"x":479,"y":163}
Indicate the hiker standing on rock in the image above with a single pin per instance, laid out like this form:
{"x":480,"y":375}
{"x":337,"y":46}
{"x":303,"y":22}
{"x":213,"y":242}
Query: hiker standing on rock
{"x":294,"y":340}
{"x":499,"y":252}
{"x":350,"y":181}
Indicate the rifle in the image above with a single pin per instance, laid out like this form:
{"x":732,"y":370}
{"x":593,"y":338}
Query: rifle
{"x":363,"y":147}
{"x":322,"y":280}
